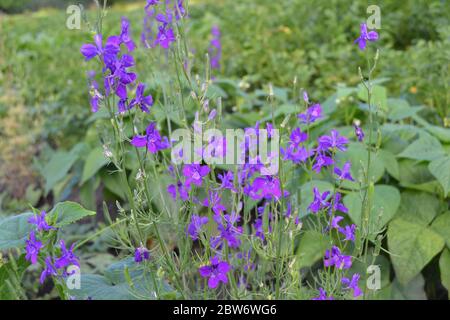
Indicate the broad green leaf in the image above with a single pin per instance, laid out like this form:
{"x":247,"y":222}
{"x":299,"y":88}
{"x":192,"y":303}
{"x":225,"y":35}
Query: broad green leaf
{"x":413,"y":290}
{"x":385,"y":203}
{"x":441,"y":225}
{"x":94,"y":161}
{"x":14,"y":230}
{"x":68,"y":212}
{"x":400,"y":109}
{"x":415,"y":175}
{"x":97,"y":287}
{"x":412,"y":247}
{"x":113,"y":183}
{"x":440,"y":168}
{"x":418,"y":207}
{"x":12,"y":271}
{"x":426,"y":147}
{"x":390,"y":163}
{"x":311,"y":248}
{"x":444,"y":266}
{"x":358,"y":156}
{"x":378,"y":98}
{"x":441,"y":133}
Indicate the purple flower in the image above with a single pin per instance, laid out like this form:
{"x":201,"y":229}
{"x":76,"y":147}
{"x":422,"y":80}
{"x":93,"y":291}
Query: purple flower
{"x":229,"y":233}
{"x":194,"y":173}
{"x":297,"y":137}
{"x":352,"y":285}
{"x":214,"y":202}
{"x":182,"y":191}
{"x":94,"y":95}
{"x":67,"y":257}
{"x":32,"y":248}
{"x":323,"y":295}
{"x":312,"y":114}
{"x":151,"y":3}
{"x":296,"y":155}
{"x":265,"y":187}
{"x":144,"y":102}
{"x":216,"y":272}
{"x":365,"y":36}
{"x":165,"y":37}
{"x":335,"y":222}
{"x":120,"y":77}
{"x":348,"y":232}
{"x":152,"y":140}
{"x":344,"y":174}
{"x":215,"y":49}
{"x":39,"y":221}
{"x":320,"y":201}
{"x":140,"y":254}
{"x":108,"y":52}
{"x":334,"y":257}
{"x":305,"y":97}
{"x":49,"y":270}
{"x":259,"y":228}
{"x":334,"y":141}
{"x":337,"y":204}
{"x":195,"y":226}
{"x":322,"y":160}
{"x":227,"y":180}
{"x":359,"y":133}
{"x":125,"y":35}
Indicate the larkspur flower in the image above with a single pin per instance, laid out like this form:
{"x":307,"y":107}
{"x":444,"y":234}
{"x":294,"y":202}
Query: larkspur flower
{"x":216,"y":272}
{"x":337,"y":205}
{"x":335,"y":222}
{"x":259,"y":228}
{"x":229,"y":232}
{"x":94,"y":96}
{"x":334,"y":257}
{"x":311,"y":114}
{"x":152,"y":140}
{"x":344,"y":173}
{"x":194,"y":174}
{"x":108,"y":52}
{"x":144,"y":102}
{"x":165,"y":37}
{"x":67,"y":257}
{"x":151,"y":3}
{"x":213,"y":201}
{"x":352,"y":284}
{"x":226,"y":180}
{"x":359,"y":133}
{"x":215,"y":49}
{"x":265,"y":187}
{"x":323,"y":295}
{"x":348,"y":232}
{"x":332,"y":142}
{"x":141,"y":254}
{"x":120,"y":77}
{"x":183,"y":191}
{"x":40,"y":222}
{"x":296,"y":155}
{"x":297,"y":137}
{"x":49,"y":270}
{"x":322,"y":160}
{"x":33,"y":247}
{"x":305,"y":97}
{"x":195,"y":226}
{"x":320,"y":201}
{"x":365,"y":36}
{"x":125,"y":35}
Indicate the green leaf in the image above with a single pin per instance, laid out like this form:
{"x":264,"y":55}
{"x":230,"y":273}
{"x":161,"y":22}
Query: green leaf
{"x":444,"y":265}
{"x":400,"y":109}
{"x":416,"y":176}
{"x":311,"y":248}
{"x":385,"y":202}
{"x":357,"y":155}
{"x":440,"y":168}
{"x":14,"y":230}
{"x":426,"y":147}
{"x":12,"y":271}
{"x":68,"y":212}
{"x":94,"y":161}
{"x":412,"y":247}
{"x":390,"y":163}
{"x":413,"y":290}
{"x":441,"y":225}
{"x":418,"y":207}
{"x":379,"y":96}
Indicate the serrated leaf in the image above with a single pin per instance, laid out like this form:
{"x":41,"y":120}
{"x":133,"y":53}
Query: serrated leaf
{"x":14,"y":230}
{"x":440,"y":168}
{"x":94,"y":161}
{"x":385,"y":203}
{"x":68,"y":212}
{"x":412,"y":247}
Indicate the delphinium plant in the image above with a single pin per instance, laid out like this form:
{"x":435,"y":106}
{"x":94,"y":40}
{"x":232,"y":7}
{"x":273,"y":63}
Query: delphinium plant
{"x":211,"y":218}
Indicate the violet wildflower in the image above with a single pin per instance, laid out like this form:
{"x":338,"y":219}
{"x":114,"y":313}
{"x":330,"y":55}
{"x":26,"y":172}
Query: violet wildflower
{"x":49,"y":270}
{"x":214,"y":202}
{"x":321,"y":161}
{"x":172,"y":190}
{"x":215,"y":49}
{"x":259,"y":229}
{"x":305,"y":97}
{"x":108,"y":52}
{"x":349,"y":232}
{"x":265,"y":187}
{"x":67,"y":257}
{"x":216,"y":272}
{"x":140,"y":254}
{"x":297,"y":137}
{"x":33,"y":246}
{"x":323,"y":295}
{"x":344,"y":173}
{"x":226,"y":180}
{"x":320,"y":201}
{"x":334,"y":257}
{"x":144,"y":102}
{"x":152,"y":140}
{"x":335,"y":222}
{"x":195,"y":226}
{"x":151,"y":3}
{"x":332,"y":142}
{"x":359,"y":133}
{"x":40,"y":222}
{"x":120,"y":77}
{"x":365,"y":36}
{"x":352,"y":285}
{"x":194,"y":173}
{"x":311,"y":114}
{"x":125,"y":35}
{"x":182,"y":191}
{"x":337,"y":205}
{"x":165,"y":37}
{"x":229,"y":233}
